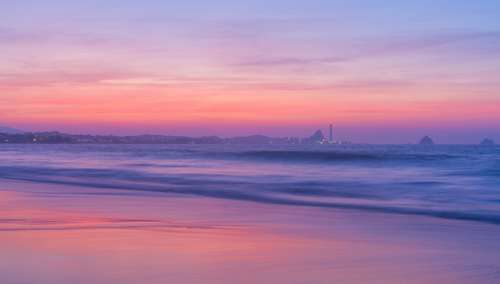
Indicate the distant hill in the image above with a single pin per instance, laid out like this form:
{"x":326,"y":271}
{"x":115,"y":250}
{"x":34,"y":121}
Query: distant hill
{"x":9,"y":130}
{"x":317,"y":137}
{"x":252,"y":139}
{"x":64,"y":138}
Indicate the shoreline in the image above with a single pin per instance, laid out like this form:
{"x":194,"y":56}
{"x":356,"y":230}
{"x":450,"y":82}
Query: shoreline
{"x":227,"y":239}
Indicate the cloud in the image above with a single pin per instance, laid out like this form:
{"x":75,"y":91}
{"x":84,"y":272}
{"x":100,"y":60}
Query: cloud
{"x":13,"y":36}
{"x":52,"y":77}
{"x":8,"y":35}
{"x":412,"y":43}
{"x":289,"y":61}
{"x":331,"y":86}
{"x":356,"y":49}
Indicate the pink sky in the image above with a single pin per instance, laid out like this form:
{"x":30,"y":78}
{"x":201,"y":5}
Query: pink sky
{"x":233,"y":70}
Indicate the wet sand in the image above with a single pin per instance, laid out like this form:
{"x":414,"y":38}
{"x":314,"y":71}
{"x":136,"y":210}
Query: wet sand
{"x":62,"y":234}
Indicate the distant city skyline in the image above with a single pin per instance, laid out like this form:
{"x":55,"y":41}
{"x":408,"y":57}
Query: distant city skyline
{"x":389,"y":72}
{"x":347,"y":135}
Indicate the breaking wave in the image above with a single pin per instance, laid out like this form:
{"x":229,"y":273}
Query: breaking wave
{"x":454,"y":183}
{"x":323,"y":156}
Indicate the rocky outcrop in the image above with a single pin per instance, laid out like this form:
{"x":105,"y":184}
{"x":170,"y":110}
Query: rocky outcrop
{"x":426,"y":141}
{"x":487,"y":142}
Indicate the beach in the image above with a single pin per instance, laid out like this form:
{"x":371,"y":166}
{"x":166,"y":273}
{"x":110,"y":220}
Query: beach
{"x":62,"y":234}
{"x":248,"y":214}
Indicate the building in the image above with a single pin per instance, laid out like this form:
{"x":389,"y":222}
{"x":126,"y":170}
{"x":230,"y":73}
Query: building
{"x":330,"y":137}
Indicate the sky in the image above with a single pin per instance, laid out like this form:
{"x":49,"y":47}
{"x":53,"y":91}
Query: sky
{"x":379,"y":71}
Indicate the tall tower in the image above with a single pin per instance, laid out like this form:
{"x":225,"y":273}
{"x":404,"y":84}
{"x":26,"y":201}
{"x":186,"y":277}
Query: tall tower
{"x":331,"y":134}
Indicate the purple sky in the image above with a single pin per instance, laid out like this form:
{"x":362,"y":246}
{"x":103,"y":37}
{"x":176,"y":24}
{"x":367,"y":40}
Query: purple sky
{"x":380,"y":71}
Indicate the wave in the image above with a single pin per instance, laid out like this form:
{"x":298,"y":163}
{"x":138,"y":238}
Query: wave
{"x":336,"y":156}
{"x":310,"y":154}
{"x":259,"y":190}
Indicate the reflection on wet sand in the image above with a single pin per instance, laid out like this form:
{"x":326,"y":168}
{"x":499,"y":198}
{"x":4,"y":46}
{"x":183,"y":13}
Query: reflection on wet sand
{"x":113,"y":238}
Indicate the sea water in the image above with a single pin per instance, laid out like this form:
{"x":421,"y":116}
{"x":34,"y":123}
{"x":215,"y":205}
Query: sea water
{"x":455,"y":182}
{"x":249,"y":214}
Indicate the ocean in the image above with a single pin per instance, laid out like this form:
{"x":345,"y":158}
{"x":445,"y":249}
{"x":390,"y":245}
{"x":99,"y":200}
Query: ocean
{"x":455,"y":182}
{"x":257,"y":208}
